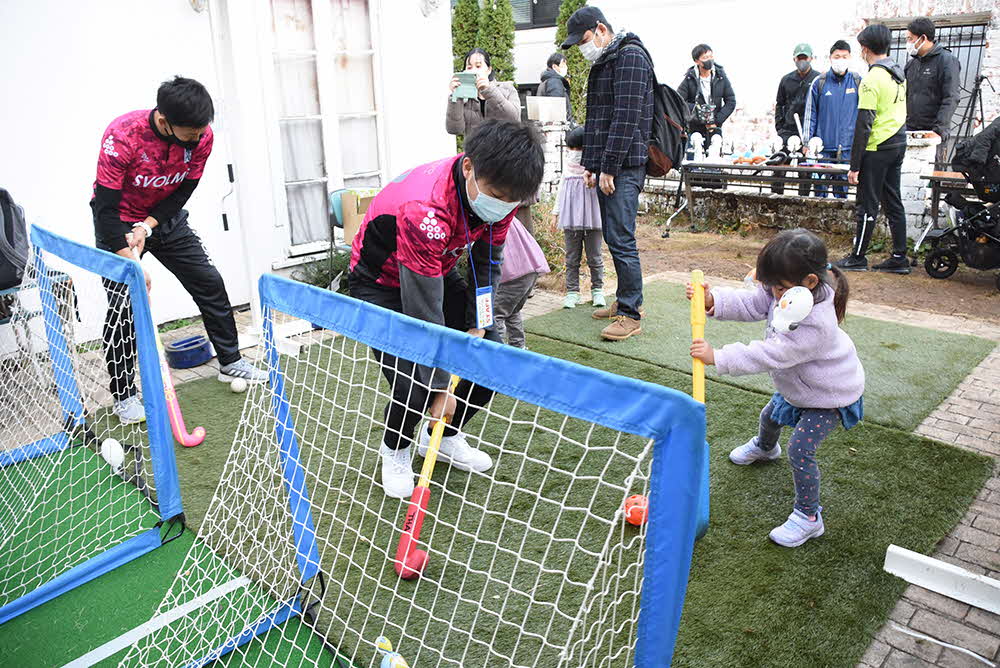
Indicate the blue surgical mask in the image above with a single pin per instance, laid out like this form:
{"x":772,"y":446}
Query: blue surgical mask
{"x":489,"y":209}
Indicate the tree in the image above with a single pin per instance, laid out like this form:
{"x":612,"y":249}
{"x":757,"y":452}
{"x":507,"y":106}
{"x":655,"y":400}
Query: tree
{"x":464,"y":30}
{"x":496,"y":37}
{"x":579,"y":67}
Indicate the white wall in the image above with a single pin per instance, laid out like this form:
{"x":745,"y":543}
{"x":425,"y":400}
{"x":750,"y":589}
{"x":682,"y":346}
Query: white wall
{"x":532,"y":49}
{"x":753,"y":41}
{"x":77,"y":66}
{"x":70,"y":69}
{"x":416,"y":69}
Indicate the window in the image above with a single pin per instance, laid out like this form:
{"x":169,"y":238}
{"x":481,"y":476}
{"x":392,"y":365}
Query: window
{"x":968,"y":43}
{"x":535,"y":13}
{"x":326,"y":109}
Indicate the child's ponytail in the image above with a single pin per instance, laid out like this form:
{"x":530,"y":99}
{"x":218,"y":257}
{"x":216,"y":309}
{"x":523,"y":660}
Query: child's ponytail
{"x":841,"y":291}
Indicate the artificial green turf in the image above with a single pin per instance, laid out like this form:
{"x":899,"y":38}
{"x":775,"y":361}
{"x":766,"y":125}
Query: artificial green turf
{"x":92,"y":614}
{"x":85,"y":618}
{"x":753,"y":603}
{"x":749,"y":602}
{"x":83,"y":510}
{"x":909,"y":371}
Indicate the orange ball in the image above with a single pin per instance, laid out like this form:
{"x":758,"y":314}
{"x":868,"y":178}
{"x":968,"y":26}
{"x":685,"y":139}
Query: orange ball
{"x":636,"y":509}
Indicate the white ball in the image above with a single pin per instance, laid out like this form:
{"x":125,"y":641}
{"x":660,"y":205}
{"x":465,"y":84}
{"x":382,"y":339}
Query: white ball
{"x":238,"y":385}
{"x":113,"y":453}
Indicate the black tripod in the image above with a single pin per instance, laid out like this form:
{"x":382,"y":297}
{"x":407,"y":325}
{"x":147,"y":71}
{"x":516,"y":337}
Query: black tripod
{"x":967,"y":123}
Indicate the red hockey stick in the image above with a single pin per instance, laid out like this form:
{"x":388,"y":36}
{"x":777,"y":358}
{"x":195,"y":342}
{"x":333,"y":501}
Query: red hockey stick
{"x":410,"y":559}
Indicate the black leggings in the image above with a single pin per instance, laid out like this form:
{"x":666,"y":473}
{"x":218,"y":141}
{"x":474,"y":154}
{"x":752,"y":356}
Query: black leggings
{"x":410,"y":400}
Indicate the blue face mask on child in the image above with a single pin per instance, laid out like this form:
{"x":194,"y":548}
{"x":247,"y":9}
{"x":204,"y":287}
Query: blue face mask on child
{"x":489,"y":209}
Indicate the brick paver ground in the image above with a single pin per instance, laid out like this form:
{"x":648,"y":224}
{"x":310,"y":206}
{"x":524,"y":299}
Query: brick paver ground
{"x":969,"y":418}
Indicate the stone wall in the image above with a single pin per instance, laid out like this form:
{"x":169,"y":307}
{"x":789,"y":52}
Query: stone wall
{"x":553,"y":133}
{"x":916,"y":195}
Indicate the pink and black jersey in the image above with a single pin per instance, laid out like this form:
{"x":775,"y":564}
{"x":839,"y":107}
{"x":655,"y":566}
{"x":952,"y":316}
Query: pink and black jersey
{"x":415,"y":231}
{"x":143,"y":166}
{"x":417,"y":221}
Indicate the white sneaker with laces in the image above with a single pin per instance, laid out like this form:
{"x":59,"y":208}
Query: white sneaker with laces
{"x":456,"y":451}
{"x":797,"y":529}
{"x":130,"y":411}
{"x":397,"y":472}
{"x":241,"y":369}
{"x":748,"y":453}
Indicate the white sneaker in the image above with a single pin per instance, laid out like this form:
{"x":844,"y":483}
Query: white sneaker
{"x":598,"y":299}
{"x":797,"y":529}
{"x":748,"y":453}
{"x":456,"y":451}
{"x":241,"y":369}
{"x":397,"y":472}
{"x":571,"y":299}
{"x":130,"y":411}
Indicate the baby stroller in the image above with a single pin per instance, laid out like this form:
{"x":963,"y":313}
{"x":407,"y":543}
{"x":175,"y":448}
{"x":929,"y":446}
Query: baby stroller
{"x":974,"y":234}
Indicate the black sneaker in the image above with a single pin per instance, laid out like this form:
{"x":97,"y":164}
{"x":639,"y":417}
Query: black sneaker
{"x":852,"y":263}
{"x":896,"y":264}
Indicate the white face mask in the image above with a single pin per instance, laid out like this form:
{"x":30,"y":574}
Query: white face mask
{"x":913,"y":48}
{"x":590,"y":50}
{"x":839,"y":65}
{"x":574,"y":157}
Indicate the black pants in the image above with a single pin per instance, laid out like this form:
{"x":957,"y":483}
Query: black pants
{"x":179,"y":249}
{"x":410,"y":399}
{"x":878,"y":183}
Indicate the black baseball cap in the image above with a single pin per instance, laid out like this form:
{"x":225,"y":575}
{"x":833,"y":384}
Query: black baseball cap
{"x":582,"y":20}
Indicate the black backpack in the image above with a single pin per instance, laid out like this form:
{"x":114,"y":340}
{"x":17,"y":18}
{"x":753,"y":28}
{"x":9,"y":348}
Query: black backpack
{"x":13,"y":242}
{"x":668,"y":140}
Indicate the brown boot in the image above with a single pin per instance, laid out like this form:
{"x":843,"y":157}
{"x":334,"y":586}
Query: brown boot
{"x":621,"y":328}
{"x":611,"y":311}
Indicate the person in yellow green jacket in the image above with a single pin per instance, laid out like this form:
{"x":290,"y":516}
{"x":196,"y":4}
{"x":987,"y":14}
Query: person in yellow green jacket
{"x":877,"y":153}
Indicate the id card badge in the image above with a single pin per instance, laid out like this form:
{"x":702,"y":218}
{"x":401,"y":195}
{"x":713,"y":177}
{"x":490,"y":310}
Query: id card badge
{"x":484,"y":307}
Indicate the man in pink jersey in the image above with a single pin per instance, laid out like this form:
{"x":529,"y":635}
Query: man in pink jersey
{"x":403,"y":258}
{"x":150,"y":162}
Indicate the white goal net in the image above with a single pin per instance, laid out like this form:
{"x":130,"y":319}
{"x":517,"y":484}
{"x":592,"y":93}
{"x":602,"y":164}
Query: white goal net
{"x":531,"y":563}
{"x":64,"y":505}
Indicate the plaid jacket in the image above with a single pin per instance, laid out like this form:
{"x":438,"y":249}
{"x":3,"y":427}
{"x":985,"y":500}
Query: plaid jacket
{"x":619,"y":107}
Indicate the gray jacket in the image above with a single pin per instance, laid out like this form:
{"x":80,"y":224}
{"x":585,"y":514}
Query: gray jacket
{"x":501,"y":101}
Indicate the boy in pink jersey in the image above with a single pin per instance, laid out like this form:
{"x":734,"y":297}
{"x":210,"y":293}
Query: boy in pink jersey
{"x":404,"y":258}
{"x":150,"y":163}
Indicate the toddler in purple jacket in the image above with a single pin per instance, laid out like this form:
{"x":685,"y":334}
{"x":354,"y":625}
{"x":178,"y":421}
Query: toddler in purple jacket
{"x":814,"y":365}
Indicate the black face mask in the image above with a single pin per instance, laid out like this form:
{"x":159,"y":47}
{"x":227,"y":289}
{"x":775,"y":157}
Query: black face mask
{"x":707,"y":65}
{"x":173,"y":139}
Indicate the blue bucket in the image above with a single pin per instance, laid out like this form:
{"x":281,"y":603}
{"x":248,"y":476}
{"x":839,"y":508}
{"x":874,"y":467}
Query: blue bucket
{"x":189,"y":352}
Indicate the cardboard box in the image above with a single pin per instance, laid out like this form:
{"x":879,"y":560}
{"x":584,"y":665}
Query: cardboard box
{"x":546,"y":109}
{"x":354,"y":206}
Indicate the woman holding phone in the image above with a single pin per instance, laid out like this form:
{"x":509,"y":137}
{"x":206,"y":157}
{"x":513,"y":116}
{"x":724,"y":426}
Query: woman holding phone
{"x":496,"y":100}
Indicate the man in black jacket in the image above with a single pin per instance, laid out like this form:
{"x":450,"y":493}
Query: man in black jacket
{"x":707,"y":90}
{"x":615,"y":150}
{"x":554,"y":82}
{"x":933,"y":76}
{"x":793,"y":91}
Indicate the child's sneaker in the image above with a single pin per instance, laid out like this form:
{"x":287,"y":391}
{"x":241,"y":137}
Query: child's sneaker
{"x":748,"y":453}
{"x":797,"y":529}
{"x":598,"y":297}
{"x":571,"y":299}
